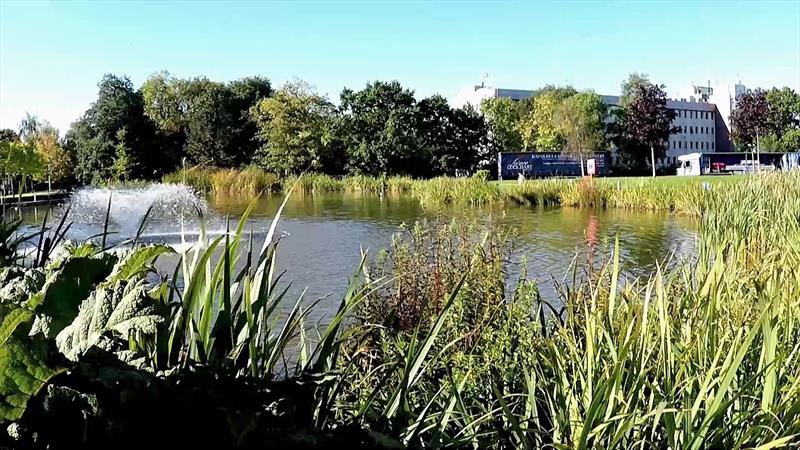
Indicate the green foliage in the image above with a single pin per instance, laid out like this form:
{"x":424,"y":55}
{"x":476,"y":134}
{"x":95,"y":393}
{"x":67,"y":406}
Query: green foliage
{"x":643,"y":122}
{"x":8,"y":135}
{"x":296,"y":129}
{"x":545,"y":118}
{"x":68,"y":283}
{"x":23,"y":372}
{"x":122,"y":167}
{"x":790,"y":141}
{"x":379,"y":127}
{"x":93,"y":138}
{"x":207,"y":119}
{"x":17,"y":158}
{"x":580,"y":121}
{"x":452,"y":139}
{"x":122,"y":308}
{"x":503,"y":118}
{"x":784,"y":111}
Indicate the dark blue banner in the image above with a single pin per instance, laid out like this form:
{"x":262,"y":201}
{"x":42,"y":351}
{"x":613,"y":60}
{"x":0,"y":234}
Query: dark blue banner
{"x":546,"y":164}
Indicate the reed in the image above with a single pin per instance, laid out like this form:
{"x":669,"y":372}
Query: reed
{"x":701,"y":356}
{"x":249,"y":181}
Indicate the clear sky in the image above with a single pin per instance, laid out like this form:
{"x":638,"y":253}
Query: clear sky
{"x":52,"y":54}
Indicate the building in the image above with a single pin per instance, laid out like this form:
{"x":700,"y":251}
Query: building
{"x":704,"y":125}
{"x":722,"y":95}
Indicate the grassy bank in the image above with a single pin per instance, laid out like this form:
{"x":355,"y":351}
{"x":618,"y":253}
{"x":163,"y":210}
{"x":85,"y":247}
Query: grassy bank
{"x":684,"y":195}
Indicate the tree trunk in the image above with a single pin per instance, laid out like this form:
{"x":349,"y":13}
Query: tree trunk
{"x":758,"y":153}
{"x":653,"y":159}
{"x":583,"y":173}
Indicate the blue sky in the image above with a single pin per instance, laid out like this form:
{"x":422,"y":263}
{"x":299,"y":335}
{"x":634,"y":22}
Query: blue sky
{"x":52,"y":54}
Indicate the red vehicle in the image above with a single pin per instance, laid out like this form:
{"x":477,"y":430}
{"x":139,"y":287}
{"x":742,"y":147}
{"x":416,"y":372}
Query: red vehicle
{"x":717,"y":167}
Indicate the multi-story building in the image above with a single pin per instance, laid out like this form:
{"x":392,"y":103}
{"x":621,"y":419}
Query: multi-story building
{"x":702,"y":126}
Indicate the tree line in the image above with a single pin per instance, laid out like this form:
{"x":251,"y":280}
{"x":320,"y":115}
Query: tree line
{"x":382,"y":129}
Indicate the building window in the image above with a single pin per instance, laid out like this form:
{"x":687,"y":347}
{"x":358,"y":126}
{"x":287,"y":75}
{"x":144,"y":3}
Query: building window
{"x":679,"y":144}
{"x":691,"y":130}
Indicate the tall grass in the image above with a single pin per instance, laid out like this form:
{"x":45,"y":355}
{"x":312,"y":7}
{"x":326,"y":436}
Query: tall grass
{"x":687,"y":197}
{"x":248,"y":181}
{"x":706,"y":355}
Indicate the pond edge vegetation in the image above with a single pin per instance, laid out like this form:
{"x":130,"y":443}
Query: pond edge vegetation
{"x":686,"y":196}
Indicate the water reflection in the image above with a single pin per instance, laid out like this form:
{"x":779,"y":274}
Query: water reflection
{"x":322,"y":235}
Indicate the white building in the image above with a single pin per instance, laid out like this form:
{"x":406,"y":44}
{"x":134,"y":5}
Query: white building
{"x":722,"y":95}
{"x":704,"y":126}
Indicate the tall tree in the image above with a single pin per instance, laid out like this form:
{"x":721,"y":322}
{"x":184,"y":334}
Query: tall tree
{"x":631,"y":84}
{"x":502,"y":115}
{"x":784,"y":110}
{"x":546,"y":103}
{"x":92,"y":139}
{"x":295,"y":127}
{"x":205,"y":120}
{"x":643,"y":122}
{"x":750,"y":119}
{"x":245,"y":93}
{"x":56,"y":164}
{"x":452,"y":139}
{"x":580,"y":121}
{"x":30,"y":127}
{"x":379,"y":127}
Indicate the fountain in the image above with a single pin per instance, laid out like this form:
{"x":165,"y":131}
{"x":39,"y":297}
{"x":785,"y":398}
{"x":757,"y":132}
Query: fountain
{"x":174,"y":208}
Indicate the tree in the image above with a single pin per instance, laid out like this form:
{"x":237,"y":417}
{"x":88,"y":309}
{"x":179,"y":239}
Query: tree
{"x":18,"y":159}
{"x":295,"y":127}
{"x":92,"y":139}
{"x":206,"y":120}
{"x":643,"y":121}
{"x":784,"y":110}
{"x":546,"y":102}
{"x":379,"y":127}
{"x":8,"y":135}
{"x":628,"y":87}
{"x":122,"y":167}
{"x":56,"y":165}
{"x":502,"y":115}
{"x":451,"y":139}
{"x":750,"y":119}
{"x":29,"y":128}
{"x":245,"y":93}
{"x":580,"y":121}
{"x":790,"y":142}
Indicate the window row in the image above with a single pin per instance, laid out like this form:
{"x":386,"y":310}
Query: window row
{"x":686,"y":114}
{"x":698,"y":130}
{"x":691,"y":145}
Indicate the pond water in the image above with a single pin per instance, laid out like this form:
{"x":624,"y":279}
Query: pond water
{"x":321,"y":235}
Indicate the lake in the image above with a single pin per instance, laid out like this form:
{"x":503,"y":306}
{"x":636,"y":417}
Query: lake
{"x":321,"y":235}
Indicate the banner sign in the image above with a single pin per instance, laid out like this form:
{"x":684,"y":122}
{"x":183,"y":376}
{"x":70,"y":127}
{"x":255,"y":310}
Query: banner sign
{"x":546,"y":164}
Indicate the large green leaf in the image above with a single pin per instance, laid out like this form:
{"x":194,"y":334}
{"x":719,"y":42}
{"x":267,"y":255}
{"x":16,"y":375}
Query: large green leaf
{"x":135,"y":262}
{"x":23,"y":371}
{"x":120,"y":309}
{"x":17,"y":284}
{"x":57,"y":303}
{"x":11,"y":316}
